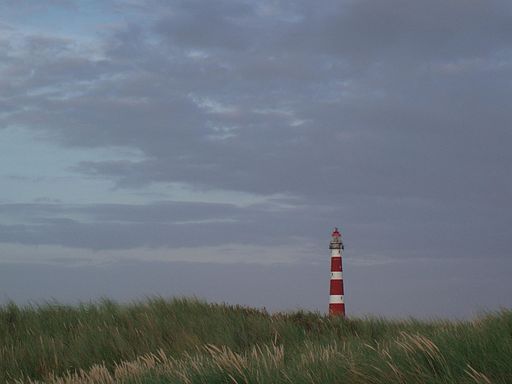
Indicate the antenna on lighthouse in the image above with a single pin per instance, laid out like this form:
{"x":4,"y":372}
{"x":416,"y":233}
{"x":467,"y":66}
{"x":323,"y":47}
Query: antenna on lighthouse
{"x":336,"y":301}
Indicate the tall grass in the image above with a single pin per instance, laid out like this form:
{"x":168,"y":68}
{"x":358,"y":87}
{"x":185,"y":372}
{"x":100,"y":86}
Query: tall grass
{"x":188,"y":341}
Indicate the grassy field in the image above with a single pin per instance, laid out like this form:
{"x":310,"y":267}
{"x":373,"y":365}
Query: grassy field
{"x":188,"y":341}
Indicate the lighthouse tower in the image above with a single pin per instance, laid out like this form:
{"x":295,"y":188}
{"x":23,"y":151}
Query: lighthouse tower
{"x":336,"y":302}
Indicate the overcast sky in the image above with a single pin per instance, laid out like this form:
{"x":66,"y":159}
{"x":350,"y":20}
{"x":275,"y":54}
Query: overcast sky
{"x":208,"y":148}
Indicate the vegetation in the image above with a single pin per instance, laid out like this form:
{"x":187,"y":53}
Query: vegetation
{"x":188,"y":341}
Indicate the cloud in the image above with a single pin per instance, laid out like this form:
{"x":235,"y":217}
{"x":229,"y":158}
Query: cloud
{"x":389,"y":117}
{"x":201,"y":25}
{"x":398,"y":30}
{"x":379,"y":228}
{"x":161,"y":224}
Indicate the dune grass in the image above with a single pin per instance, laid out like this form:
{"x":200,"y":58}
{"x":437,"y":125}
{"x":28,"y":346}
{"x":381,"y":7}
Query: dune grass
{"x":189,"y":341}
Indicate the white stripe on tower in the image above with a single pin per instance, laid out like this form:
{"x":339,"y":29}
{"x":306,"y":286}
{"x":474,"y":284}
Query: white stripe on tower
{"x":336,"y":275}
{"x":336,"y":299}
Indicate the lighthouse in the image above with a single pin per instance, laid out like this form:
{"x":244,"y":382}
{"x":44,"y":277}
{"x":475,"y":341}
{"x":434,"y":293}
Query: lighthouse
{"x":336,"y":301}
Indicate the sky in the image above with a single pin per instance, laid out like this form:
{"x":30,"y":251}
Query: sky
{"x":208,"y":149}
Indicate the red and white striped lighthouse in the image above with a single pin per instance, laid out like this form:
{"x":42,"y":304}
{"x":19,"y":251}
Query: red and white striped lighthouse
{"x":336,"y":301}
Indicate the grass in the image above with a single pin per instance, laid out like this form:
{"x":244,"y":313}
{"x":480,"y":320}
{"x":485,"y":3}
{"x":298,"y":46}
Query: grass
{"x":189,"y":341}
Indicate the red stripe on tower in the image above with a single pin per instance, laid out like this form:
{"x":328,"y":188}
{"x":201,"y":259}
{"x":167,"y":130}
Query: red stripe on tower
{"x":336,"y":301}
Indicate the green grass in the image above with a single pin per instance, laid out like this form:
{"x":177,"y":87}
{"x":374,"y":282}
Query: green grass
{"x":189,"y":341}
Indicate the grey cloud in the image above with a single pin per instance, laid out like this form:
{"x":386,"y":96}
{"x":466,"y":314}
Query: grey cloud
{"x":398,"y":30}
{"x":197,"y":24}
{"x":162,"y":224}
{"x":391,"y":117}
{"x":396,"y":229}
{"x":114,"y":236}
{"x":163,"y":212}
{"x":31,"y":210}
